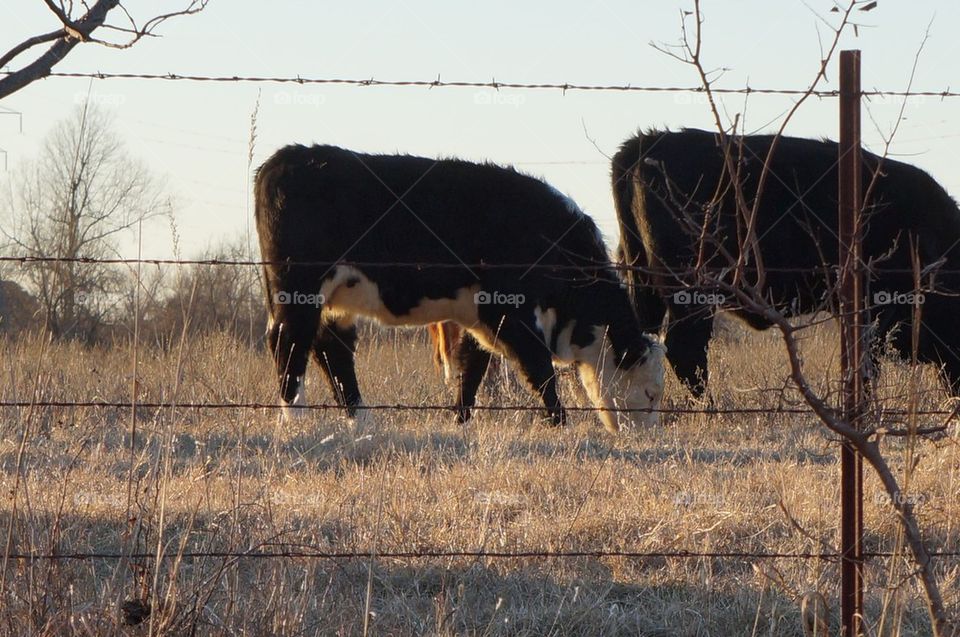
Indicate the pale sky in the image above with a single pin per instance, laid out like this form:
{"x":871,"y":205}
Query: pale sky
{"x":195,"y":135}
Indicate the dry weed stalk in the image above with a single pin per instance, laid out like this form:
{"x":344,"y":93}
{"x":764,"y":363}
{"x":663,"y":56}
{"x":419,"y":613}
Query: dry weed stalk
{"x":815,"y":615}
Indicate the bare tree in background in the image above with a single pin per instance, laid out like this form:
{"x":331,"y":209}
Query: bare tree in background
{"x":223,"y":297}
{"x":115,"y":27}
{"x":73,"y":203}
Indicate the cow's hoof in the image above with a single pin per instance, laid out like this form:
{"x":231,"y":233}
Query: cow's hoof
{"x":360,"y":418}
{"x":463,"y":415}
{"x":558,"y":419}
{"x":294,"y":412}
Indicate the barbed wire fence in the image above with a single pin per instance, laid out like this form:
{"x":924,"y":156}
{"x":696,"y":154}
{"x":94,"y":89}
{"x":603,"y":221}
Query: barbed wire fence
{"x":505,"y":555}
{"x":494,"y":84}
{"x":299,"y":552}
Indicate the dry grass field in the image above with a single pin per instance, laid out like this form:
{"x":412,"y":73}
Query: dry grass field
{"x":236,"y":481}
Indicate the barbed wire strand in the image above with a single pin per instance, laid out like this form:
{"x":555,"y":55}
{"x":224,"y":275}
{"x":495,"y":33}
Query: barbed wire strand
{"x":428,"y":265}
{"x":350,"y":555}
{"x":492,"y":84}
{"x":716,"y":411}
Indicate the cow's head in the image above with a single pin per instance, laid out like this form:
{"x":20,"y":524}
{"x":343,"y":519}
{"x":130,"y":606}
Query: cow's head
{"x":637,"y":388}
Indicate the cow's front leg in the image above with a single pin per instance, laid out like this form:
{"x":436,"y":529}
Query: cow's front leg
{"x":289,"y":336}
{"x":536,"y":365}
{"x":689,"y":328}
{"x":541,"y":378}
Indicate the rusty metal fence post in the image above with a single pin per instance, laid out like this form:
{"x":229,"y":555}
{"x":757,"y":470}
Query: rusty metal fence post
{"x":851,"y":344}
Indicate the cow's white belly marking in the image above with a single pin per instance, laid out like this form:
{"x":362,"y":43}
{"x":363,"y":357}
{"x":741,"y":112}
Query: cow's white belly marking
{"x":351,"y":292}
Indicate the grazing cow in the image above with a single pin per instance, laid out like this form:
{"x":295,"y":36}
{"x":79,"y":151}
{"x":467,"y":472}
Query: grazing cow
{"x":664,"y":181}
{"x":336,"y":227}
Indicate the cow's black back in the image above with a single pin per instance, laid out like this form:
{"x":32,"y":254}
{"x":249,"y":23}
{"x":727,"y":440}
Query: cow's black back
{"x":663,"y":182}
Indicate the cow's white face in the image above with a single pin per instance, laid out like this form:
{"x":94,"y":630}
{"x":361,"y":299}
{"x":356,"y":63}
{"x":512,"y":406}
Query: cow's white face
{"x":637,"y":388}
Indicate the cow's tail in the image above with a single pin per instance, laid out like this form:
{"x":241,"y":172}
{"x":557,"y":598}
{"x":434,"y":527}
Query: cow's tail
{"x":628,"y":177}
{"x":632,"y":167}
{"x":267,"y":216}
{"x":621,"y":175}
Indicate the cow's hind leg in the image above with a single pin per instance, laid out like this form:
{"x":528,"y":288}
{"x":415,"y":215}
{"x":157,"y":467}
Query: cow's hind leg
{"x":938,"y":338}
{"x":536,"y":365}
{"x":689,"y":328}
{"x":939,"y":326}
{"x":473,"y":361}
{"x":290,"y":337}
{"x":333,"y":349}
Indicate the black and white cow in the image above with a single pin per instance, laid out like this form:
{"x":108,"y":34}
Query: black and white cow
{"x":663,"y":180}
{"x":361,"y":215}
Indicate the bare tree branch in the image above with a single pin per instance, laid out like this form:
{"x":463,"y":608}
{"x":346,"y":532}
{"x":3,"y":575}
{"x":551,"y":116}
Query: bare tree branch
{"x":73,"y":31}
{"x":60,"y":13}
{"x":28,"y":43}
